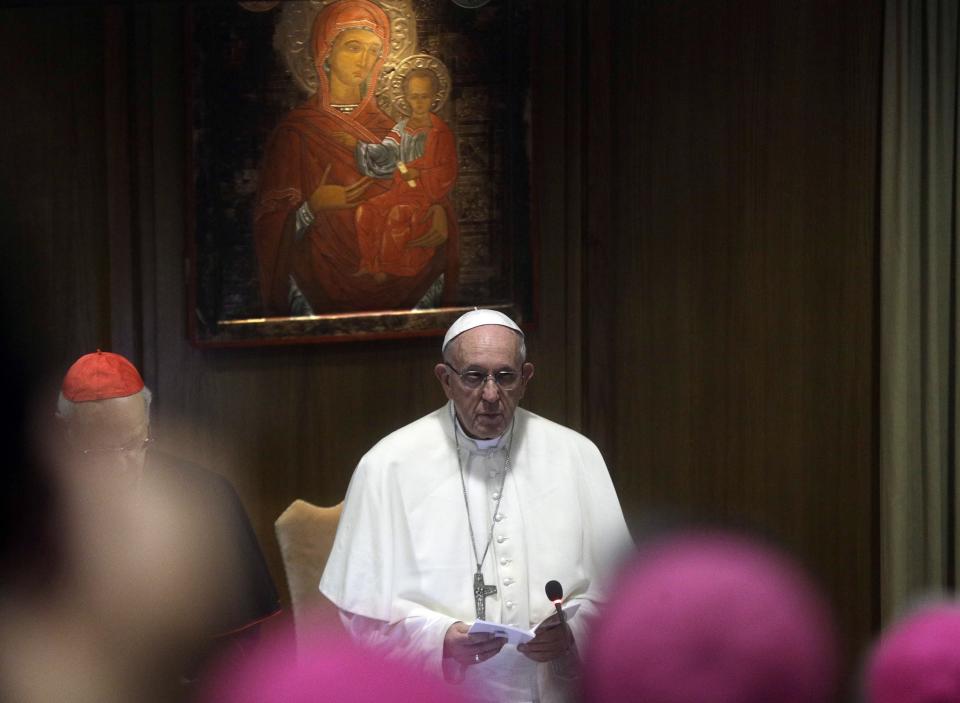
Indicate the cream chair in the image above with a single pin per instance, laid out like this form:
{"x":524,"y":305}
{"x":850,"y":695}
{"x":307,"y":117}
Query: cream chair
{"x":305,"y":533}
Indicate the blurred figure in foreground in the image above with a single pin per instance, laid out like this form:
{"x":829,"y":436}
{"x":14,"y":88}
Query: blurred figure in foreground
{"x":711,"y":618}
{"x":105,"y":410}
{"x":332,"y":668}
{"x":918,"y":659}
{"x":160,"y":554}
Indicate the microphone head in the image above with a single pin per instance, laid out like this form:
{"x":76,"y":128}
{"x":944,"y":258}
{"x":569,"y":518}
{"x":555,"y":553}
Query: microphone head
{"x":554,"y":591}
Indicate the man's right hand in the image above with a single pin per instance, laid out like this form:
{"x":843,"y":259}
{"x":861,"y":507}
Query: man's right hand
{"x":470,"y":649}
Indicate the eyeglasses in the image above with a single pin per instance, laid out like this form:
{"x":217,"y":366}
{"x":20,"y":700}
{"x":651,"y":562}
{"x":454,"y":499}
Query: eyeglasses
{"x":505,"y":380}
{"x":132,"y":447}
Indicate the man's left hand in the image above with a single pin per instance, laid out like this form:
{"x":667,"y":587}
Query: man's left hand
{"x":553,"y":640}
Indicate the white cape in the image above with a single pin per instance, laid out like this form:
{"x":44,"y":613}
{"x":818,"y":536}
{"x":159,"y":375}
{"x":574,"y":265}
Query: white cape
{"x":402,"y":553}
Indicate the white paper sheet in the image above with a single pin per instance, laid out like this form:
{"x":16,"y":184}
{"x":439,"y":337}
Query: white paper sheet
{"x":515,"y":635}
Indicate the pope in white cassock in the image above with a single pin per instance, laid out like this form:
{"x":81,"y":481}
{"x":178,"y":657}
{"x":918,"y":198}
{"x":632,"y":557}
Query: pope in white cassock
{"x":464,"y":515}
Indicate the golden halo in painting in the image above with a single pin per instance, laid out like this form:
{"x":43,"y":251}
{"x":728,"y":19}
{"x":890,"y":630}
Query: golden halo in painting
{"x":424,"y":62}
{"x":291,"y":38}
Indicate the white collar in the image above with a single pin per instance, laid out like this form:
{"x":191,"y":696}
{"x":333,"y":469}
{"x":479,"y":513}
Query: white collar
{"x":480,"y":444}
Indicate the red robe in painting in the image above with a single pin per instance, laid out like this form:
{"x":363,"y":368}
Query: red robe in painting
{"x":387,"y":223}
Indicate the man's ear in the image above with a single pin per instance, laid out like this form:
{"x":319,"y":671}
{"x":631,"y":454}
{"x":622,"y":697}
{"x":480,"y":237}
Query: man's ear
{"x":443,"y":375}
{"x":526,"y":373}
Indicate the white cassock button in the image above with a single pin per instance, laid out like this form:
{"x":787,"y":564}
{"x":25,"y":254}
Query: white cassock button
{"x":496,"y":494}
{"x":507,"y":581}
{"x":510,"y":624}
{"x":504,"y":561}
{"x":510,"y":604}
{"x":501,"y":539}
{"x":498,"y":517}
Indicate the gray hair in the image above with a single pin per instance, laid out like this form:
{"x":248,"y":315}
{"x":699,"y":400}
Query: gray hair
{"x":455,"y":344}
{"x":66,"y":407}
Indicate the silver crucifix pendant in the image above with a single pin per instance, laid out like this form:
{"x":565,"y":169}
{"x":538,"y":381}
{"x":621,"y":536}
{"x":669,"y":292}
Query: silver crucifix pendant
{"x":480,"y":593}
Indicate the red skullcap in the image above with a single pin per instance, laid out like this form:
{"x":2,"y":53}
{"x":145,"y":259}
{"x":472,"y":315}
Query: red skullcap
{"x":99,"y":376}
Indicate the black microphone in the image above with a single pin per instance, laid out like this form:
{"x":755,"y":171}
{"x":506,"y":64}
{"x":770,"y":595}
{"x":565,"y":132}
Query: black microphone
{"x":568,"y":665}
{"x":555,"y":593}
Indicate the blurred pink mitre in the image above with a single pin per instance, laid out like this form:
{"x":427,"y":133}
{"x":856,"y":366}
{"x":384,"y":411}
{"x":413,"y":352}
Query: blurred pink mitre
{"x":331,"y":669}
{"x":712,"y":618}
{"x":918,"y":659}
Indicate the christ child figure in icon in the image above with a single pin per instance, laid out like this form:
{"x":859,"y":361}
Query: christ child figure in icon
{"x":398,"y":231}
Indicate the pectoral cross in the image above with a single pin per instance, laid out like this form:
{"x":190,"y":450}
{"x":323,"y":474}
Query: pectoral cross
{"x":480,"y":593}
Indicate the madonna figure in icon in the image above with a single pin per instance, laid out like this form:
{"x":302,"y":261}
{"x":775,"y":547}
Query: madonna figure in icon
{"x":305,"y":220}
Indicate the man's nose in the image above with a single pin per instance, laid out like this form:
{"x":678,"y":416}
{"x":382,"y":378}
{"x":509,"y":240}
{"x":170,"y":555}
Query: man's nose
{"x":491,"y":391}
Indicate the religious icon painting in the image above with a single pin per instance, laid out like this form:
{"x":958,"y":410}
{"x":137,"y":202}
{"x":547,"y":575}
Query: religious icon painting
{"x":358,"y":168}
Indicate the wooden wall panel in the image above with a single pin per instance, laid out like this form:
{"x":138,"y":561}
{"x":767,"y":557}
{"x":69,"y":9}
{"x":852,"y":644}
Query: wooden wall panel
{"x":52,"y":185}
{"x":743,"y":181}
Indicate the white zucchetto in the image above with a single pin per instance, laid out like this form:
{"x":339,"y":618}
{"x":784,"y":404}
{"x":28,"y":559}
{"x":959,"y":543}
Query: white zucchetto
{"x":477,"y":318}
